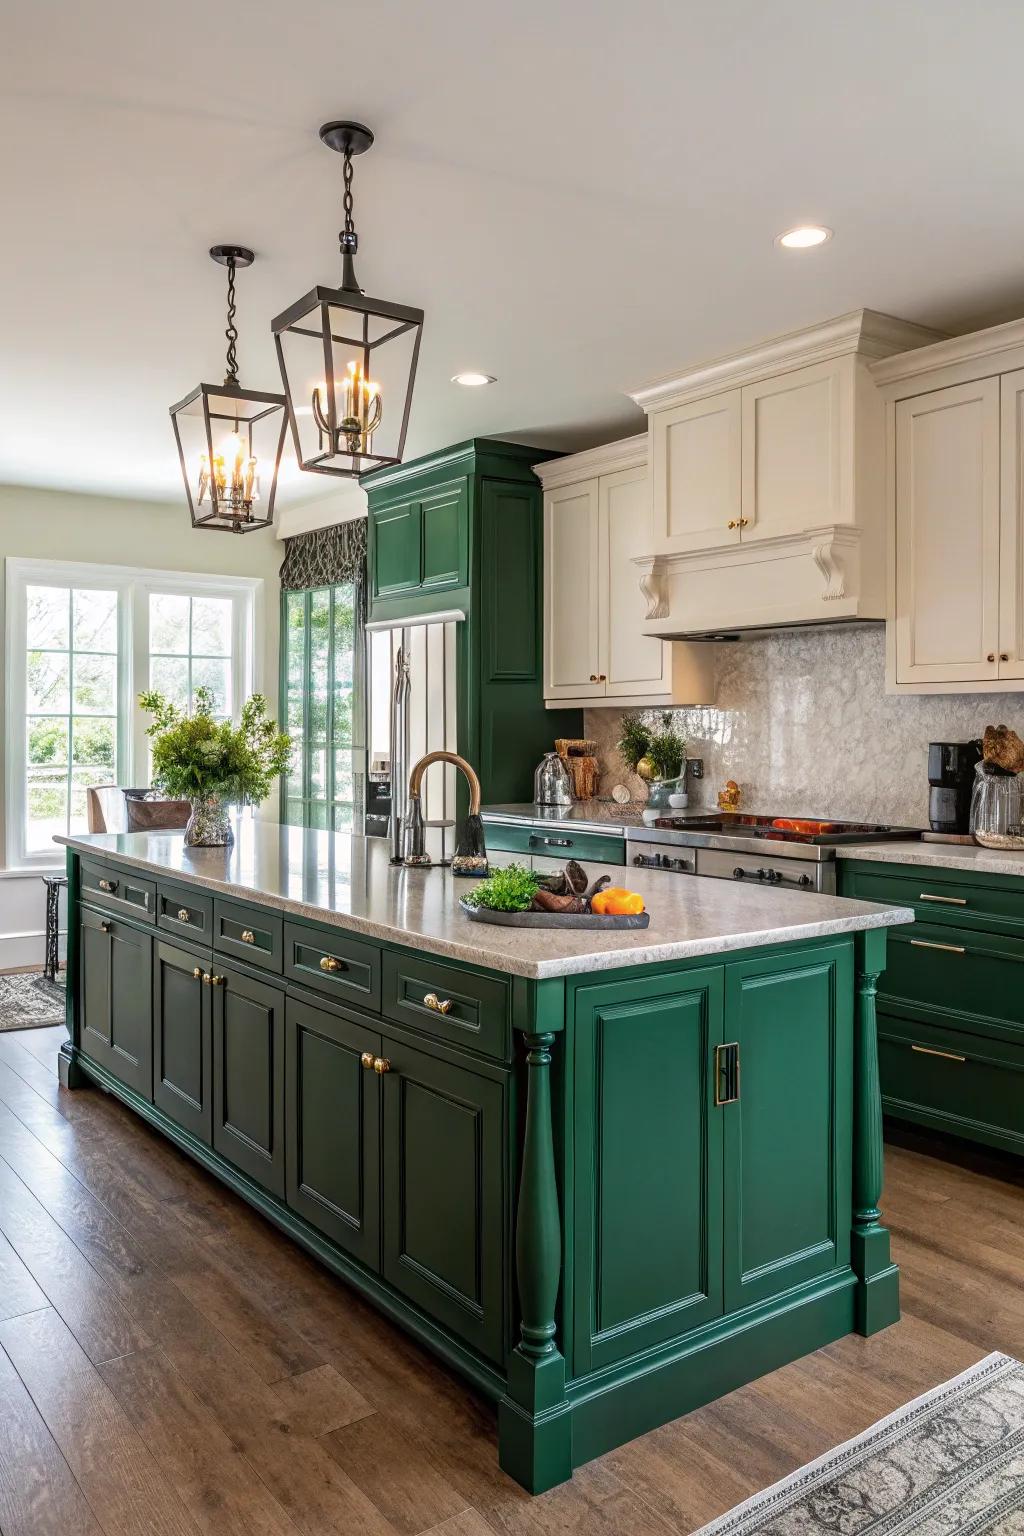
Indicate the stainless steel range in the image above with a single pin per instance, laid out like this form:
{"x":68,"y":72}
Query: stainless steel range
{"x":792,"y":851}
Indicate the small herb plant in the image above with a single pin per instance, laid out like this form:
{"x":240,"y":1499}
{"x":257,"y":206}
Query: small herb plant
{"x":511,"y":889}
{"x":661,"y":752}
{"x":195,"y":756}
{"x":634,"y":741}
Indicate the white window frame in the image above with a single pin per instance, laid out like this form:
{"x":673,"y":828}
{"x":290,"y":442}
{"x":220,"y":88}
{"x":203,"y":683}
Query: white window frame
{"x":134,"y":585}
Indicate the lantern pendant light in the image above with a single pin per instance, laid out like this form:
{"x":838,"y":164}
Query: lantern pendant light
{"x":229,"y":437}
{"x":348,"y":363}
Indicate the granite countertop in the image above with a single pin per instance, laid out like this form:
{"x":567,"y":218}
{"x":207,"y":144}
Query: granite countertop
{"x":967,"y":856}
{"x":348,"y":881}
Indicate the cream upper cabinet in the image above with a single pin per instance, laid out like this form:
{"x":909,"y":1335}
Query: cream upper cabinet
{"x":695,"y":453}
{"x":795,"y":434}
{"x":947,"y":535}
{"x":572,"y":621}
{"x":597,"y":521}
{"x":767,"y":472}
{"x":955,"y":469}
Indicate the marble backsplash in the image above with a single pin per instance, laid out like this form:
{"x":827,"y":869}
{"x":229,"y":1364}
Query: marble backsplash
{"x":804,"y":725}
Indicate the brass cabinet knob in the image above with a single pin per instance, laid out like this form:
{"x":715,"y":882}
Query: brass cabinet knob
{"x":329,"y":963}
{"x":732,"y":523}
{"x":108,"y":885}
{"x":248,"y":937}
{"x":381,"y":1065}
{"x":216,"y":981}
{"x":1004,"y":655}
{"x":184,"y":915}
{"x":743,"y":522}
{"x":197,"y":974}
{"x":367,"y":1059}
{"x":594,"y":677}
{"x":991,"y":656}
{"x":438,"y":1004}
{"x":104,"y":927}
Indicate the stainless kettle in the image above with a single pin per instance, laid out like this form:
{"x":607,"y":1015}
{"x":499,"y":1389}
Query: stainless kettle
{"x":551,"y":782}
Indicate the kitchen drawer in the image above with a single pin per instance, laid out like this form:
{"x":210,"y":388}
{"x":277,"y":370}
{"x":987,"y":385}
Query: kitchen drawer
{"x":251,"y":933}
{"x":588,"y":847}
{"x":468,"y":1008}
{"x":118,"y":890}
{"x":331,"y":961}
{"x":953,"y":1082}
{"x":180,"y":909}
{"x":939,"y":896}
{"x":972,"y":981}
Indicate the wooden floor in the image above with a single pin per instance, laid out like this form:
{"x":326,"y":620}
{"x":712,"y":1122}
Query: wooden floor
{"x":170,"y":1364}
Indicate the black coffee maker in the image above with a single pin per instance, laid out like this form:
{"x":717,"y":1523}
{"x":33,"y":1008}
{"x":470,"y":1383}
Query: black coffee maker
{"x":951,"y":767}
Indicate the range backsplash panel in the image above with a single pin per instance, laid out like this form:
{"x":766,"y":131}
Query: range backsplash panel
{"x":803,"y":723}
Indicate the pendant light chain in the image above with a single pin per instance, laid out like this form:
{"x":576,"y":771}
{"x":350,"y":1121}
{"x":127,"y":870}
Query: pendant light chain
{"x":232,"y":331}
{"x":347,"y":238}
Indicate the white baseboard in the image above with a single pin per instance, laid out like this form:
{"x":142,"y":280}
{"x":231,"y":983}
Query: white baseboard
{"x":18,"y":949}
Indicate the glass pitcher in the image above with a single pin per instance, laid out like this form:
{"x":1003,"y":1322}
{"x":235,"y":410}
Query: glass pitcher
{"x":997,"y":809}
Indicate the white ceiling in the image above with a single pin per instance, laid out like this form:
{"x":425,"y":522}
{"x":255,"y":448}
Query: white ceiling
{"x":581,"y":195}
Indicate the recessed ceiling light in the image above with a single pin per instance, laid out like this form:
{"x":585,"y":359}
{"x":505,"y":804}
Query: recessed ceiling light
{"x":473,"y":380}
{"x":803,"y":237}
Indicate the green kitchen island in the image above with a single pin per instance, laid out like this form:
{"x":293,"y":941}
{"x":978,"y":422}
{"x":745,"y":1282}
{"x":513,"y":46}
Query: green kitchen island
{"x":606,"y":1177}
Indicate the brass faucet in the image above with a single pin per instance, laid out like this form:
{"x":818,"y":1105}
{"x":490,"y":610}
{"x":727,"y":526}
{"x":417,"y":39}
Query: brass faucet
{"x":470,"y":857}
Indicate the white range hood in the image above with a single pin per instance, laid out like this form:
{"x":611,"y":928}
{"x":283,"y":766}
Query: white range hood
{"x":767,"y":473}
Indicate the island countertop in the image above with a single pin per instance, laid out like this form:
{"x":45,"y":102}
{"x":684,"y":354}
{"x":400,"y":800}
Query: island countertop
{"x":347,"y":880}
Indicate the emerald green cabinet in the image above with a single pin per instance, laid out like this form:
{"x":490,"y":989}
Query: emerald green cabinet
{"x":248,"y":1075}
{"x":648,"y":1163}
{"x":787,"y":1136}
{"x":115,"y":983}
{"x":443,"y":1190}
{"x":332,"y":1114}
{"x":460,"y":531}
{"x":182,"y":1039}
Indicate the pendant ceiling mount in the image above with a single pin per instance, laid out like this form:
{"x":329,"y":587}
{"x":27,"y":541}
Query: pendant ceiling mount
{"x":225,"y":433}
{"x":348,"y":362}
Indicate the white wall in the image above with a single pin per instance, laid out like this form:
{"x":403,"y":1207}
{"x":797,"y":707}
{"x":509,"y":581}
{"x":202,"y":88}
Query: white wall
{"x":64,"y":526}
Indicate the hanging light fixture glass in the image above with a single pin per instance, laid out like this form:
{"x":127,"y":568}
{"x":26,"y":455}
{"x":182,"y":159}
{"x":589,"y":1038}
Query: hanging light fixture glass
{"x":348,"y":363}
{"x":228,"y":437}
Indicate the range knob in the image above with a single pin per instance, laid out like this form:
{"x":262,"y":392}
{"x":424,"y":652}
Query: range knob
{"x":805,"y":881}
{"x":639,"y":860}
{"x":762,"y":874}
{"x":739,"y":873}
{"x":774,"y":876}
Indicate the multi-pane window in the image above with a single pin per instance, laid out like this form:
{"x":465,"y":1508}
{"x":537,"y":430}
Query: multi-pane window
{"x":321,"y":707}
{"x":82,"y":642}
{"x":71,"y":706}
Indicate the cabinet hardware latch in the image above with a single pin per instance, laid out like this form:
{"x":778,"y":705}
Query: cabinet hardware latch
{"x":381,"y":1065}
{"x":438,"y":1004}
{"x":247,"y":936}
{"x":727,"y":1073}
{"x":367,"y":1059}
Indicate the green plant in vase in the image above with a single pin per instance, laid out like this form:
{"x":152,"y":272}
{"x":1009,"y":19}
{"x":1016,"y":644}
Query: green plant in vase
{"x":212,"y":763}
{"x":666,"y":750}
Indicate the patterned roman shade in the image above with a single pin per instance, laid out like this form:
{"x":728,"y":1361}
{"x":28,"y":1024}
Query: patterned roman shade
{"x":325,"y":557}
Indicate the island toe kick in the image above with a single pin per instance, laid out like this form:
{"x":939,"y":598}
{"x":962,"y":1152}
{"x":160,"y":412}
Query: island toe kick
{"x":605,"y":1198}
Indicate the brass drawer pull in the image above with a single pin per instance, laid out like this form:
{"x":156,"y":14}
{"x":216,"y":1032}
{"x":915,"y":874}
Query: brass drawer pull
{"x":950,"y":949}
{"x":184,"y":915}
{"x":367,"y":1059}
{"x":924,"y":1050}
{"x":197,"y":974}
{"x":206,"y":978}
{"x":217,"y":981}
{"x":110,"y":886}
{"x":104,"y":927}
{"x":381,"y":1065}
{"x":949,"y":901}
{"x":247,"y":936}
{"x":330,"y":963}
{"x":438,"y":1004}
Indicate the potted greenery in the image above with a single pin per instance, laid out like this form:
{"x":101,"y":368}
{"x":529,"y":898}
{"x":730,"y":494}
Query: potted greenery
{"x":212,"y":763}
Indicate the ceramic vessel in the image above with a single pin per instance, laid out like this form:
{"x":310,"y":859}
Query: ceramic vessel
{"x":209,"y":825}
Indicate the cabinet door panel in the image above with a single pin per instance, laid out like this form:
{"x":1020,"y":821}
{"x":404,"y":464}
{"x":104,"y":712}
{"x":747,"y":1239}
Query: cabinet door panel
{"x":117,"y":971}
{"x":695,"y":451}
{"x":248,"y":1076}
{"x":1011,"y":527}
{"x":947,"y":535}
{"x":397,"y":555}
{"x":793,"y":444}
{"x":648,"y":1162}
{"x":571,"y":585}
{"x":787,"y":1137}
{"x":632,"y":662}
{"x":182,"y":1045}
{"x":444,"y":1199}
{"x":444,"y":521}
{"x":333,"y":1119}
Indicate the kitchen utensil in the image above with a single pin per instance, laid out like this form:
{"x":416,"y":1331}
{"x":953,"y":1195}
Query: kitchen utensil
{"x":551,"y":782}
{"x":951,"y":767}
{"x":997,"y":807}
{"x":470,"y":857}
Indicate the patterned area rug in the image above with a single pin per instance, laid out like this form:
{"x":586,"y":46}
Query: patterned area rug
{"x":28,"y":1001}
{"x":950,"y":1461}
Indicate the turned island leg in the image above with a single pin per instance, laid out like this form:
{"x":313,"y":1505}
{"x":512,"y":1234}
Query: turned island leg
{"x":534,"y":1436}
{"x":878,"y":1295}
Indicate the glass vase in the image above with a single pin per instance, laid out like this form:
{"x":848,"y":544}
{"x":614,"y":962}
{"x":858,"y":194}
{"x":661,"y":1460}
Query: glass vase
{"x":209,"y":825}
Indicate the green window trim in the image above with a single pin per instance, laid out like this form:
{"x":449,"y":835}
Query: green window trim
{"x":325,"y":789}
